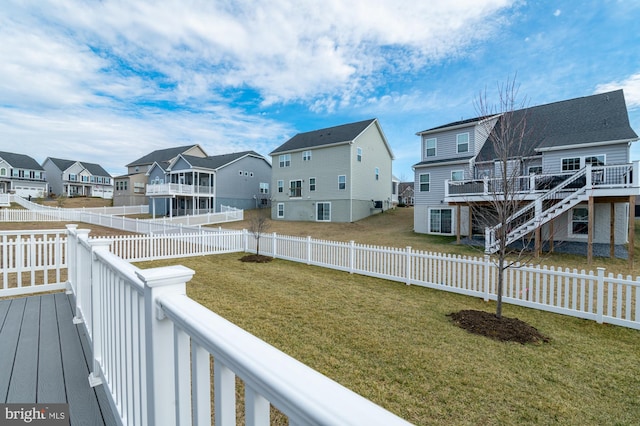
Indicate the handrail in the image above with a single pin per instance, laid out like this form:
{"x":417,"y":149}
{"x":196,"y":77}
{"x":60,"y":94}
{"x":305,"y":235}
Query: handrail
{"x":298,"y":391}
{"x":585,"y":171}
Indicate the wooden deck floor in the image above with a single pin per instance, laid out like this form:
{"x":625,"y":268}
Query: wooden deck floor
{"x":44,"y":358}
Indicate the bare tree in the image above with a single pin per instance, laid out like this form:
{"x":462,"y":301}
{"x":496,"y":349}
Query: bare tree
{"x":508,"y":131}
{"x":259,"y":224}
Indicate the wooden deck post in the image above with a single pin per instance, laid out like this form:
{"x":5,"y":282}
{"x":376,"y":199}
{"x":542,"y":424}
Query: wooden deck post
{"x":612,"y":230}
{"x":632,"y":230}
{"x":537,"y":242}
{"x":458,"y":217}
{"x":590,"y":232}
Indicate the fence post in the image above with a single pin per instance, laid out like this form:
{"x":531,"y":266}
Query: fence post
{"x":95,"y":378}
{"x":487,"y":277}
{"x":600,"y":296}
{"x":274,"y":245}
{"x":245,"y":240}
{"x":408,"y":270}
{"x":308,"y":249}
{"x":352,"y":256}
{"x":159,"y":344}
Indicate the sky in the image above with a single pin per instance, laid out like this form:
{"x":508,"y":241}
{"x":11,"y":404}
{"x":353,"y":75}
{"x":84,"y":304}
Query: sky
{"x":108,"y":81}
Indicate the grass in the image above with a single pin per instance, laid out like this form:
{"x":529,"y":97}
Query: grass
{"x":395,"y":345}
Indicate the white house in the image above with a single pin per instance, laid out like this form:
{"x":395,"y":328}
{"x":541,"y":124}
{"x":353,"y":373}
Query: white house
{"x":78,"y":178}
{"x":22,"y":175}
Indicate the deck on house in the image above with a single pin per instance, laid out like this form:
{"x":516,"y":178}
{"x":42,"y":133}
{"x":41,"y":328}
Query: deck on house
{"x":45,"y":358}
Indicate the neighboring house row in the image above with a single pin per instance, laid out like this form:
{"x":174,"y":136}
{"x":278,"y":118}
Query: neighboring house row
{"x":576,"y":180}
{"x":22,"y":175}
{"x":77,"y":178}
{"x":405,"y":193}
{"x":337,"y":174}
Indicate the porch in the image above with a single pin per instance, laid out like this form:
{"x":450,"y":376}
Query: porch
{"x":44,"y":358}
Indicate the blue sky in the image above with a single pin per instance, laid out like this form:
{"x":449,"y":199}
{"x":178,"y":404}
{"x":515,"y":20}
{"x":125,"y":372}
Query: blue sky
{"x":110,"y":81}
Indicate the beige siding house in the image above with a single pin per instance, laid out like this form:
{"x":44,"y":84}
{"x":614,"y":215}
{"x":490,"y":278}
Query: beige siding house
{"x":337,"y":174}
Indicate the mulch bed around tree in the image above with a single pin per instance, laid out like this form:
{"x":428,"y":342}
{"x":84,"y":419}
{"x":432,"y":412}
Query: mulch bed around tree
{"x":503,"y":329}
{"x":256,"y":258}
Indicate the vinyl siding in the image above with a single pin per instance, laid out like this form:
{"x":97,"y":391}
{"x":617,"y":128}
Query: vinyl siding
{"x":446,"y":144}
{"x":615,"y":154}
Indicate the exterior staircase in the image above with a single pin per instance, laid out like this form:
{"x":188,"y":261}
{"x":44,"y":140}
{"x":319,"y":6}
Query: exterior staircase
{"x":533,"y":215}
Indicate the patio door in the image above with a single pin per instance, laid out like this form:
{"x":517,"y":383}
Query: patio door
{"x":323,"y":212}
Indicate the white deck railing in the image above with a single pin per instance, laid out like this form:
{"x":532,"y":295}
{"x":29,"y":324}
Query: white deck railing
{"x":153,"y":345}
{"x":159,"y":189}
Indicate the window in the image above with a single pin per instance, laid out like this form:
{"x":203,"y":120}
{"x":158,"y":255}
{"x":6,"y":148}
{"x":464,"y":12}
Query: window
{"x":323,"y":212}
{"x":306,"y":156}
{"x":3,"y":172}
{"x":424,"y":182}
{"x":440,"y":221}
{"x":264,"y":188}
{"x":377,"y":173}
{"x":462,"y":142}
{"x":72,"y":177}
{"x":359,"y":154}
{"x":85,"y":178}
{"x":580,"y":221}
{"x":595,"y":160}
{"x":457,"y":175}
{"x":285,"y":160}
{"x":280,"y":186}
{"x":342,"y":182}
{"x":295,"y":188}
{"x":280,"y":210}
{"x":570,"y":164}
{"x":430,"y":147}
{"x":535,"y":170}
{"x":312,"y":184}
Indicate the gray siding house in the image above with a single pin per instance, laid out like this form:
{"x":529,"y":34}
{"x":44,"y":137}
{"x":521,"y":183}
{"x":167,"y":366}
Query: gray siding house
{"x":575,"y":179}
{"x":78,"y":178}
{"x":22,"y":175}
{"x":130,"y":189}
{"x":195,"y":185}
{"x":337,"y":174}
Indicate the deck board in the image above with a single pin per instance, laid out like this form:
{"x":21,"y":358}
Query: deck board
{"x":24,"y":377}
{"x":44,"y":358}
{"x":50,"y":375}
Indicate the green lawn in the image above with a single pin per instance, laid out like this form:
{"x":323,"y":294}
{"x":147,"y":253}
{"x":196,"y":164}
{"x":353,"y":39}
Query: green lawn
{"x":395,"y":345}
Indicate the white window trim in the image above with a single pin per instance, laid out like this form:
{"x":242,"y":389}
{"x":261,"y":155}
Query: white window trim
{"x":453,"y":221}
{"x":532,"y":167}
{"x":580,"y":160}
{"x":420,"y":182}
{"x":283,"y":159}
{"x":295,"y":180}
{"x":435,"y":147}
{"x":458,"y":143}
{"x":280,"y":186}
{"x":315,"y":184}
{"x":359,"y":154}
{"x":278,"y":210}
{"x":316,"y":212}
{"x":345,"y":183}
{"x":570,"y":222}
{"x":376,"y":173}
{"x":306,"y":155}
{"x":457,"y":171}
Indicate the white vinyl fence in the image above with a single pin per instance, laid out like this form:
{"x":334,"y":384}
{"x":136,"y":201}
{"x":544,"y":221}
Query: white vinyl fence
{"x":585,"y":294}
{"x":109,"y":217}
{"x":152,"y":349}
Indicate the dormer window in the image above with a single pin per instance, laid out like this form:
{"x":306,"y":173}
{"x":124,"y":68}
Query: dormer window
{"x":462,"y":142}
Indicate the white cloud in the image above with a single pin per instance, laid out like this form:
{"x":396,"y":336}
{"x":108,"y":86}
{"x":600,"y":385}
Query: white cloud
{"x":557,"y":12}
{"x":631,"y":87}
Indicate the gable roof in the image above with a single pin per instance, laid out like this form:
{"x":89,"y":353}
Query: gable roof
{"x":20,"y":161}
{"x":596,"y":119}
{"x":455,"y":124}
{"x":161,"y":155}
{"x":94,"y":169}
{"x":344,"y":133}
{"x":218,"y":161}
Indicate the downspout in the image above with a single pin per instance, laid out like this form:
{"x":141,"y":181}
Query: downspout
{"x":350,"y":174}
